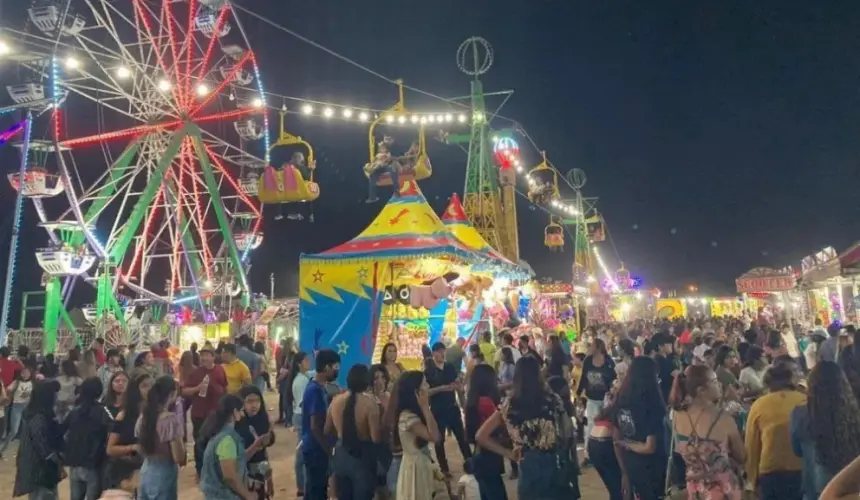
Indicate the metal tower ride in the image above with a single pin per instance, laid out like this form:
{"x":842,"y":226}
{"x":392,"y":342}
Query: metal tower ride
{"x":482,"y":198}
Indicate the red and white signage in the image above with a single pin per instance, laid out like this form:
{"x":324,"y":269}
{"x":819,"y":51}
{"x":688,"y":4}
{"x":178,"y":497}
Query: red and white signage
{"x":765,"y":284}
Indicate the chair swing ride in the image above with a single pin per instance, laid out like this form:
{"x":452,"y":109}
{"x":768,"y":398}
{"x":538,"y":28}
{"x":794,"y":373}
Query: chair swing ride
{"x":413,"y":165}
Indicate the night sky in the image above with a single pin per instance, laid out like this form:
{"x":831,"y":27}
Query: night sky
{"x":717,"y":139}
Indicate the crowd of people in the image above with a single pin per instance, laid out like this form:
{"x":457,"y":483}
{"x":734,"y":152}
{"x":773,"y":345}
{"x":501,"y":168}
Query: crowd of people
{"x":716,"y":408}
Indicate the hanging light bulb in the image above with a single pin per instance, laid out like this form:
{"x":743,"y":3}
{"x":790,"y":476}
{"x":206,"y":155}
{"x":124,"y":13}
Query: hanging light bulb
{"x":347,"y":113}
{"x":164,"y":85}
{"x":307,"y":109}
{"x":257,"y":102}
{"x":363,"y":116}
{"x":202,"y":90}
{"x":72,"y":63}
{"x":328,"y":112}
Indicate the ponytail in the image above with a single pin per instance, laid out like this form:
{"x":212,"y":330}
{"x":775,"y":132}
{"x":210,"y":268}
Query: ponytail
{"x":216,"y":421}
{"x":687,"y":385}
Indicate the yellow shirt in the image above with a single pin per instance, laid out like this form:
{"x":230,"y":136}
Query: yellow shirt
{"x":238,"y":375}
{"x":768,"y":437}
{"x":489,"y":352}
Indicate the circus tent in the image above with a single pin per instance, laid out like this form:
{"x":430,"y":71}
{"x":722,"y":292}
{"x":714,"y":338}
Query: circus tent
{"x":341,"y":289}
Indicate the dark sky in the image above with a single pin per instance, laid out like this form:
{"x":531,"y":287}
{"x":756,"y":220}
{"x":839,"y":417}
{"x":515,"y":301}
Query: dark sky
{"x":737,"y":125}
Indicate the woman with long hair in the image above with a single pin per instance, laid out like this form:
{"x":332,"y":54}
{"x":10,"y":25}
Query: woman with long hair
{"x":558,"y":361}
{"x":598,"y":375}
{"x":283,"y":363}
{"x":416,"y":428}
{"x":122,"y":440}
{"x":389,"y":361}
{"x":638,"y":417}
{"x":354,"y":418}
{"x":299,"y":379}
{"x":826,"y":431}
{"x":706,"y":437}
{"x":20,"y":391}
{"x":601,"y":453}
{"x":115,"y":395}
{"x":224,"y":468}
{"x":506,"y":368}
{"x":88,"y":425}
{"x":482,"y":400}
{"x":39,"y":467}
{"x":160,"y":433}
{"x":539,"y":427}
{"x":771,"y":463}
{"x":69,"y":382}
{"x":256,"y":431}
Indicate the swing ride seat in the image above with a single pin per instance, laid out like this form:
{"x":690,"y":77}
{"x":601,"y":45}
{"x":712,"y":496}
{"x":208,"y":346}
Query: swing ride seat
{"x":285,"y":186}
{"x":37,"y":183}
{"x":64,"y":261}
{"x":248,"y":130}
{"x":422,"y":170}
{"x":553,"y":237}
{"x":247,"y":239}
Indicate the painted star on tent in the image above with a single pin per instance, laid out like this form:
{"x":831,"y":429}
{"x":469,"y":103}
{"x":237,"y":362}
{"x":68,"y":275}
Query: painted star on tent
{"x":362,"y":273}
{"x":318,"y":276}
{"x":342,"y":348}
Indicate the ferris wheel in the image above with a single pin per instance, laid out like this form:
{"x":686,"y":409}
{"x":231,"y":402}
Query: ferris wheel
{"x":154,"y":113}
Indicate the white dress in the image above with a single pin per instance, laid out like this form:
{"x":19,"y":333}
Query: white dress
{"x":415,"y":480}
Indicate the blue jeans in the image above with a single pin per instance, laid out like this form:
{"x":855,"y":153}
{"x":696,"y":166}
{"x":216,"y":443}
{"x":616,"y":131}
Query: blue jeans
{"x":316,"y":476}
{"x":300,"y":459}
{"x":84,"y":483}
{"x":379,"y":172}
{"x":15,"y":411}
{"x":42,"y":493}
{"x":158,"y":480}
{"x":354,"y":477}
{"x":393,"y":472}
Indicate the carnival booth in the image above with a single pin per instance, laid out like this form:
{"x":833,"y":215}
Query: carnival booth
{"x":830,"y":283}
{"x":384,"y":285}
{"x":777,"y":284}
{"x":490,"y":290}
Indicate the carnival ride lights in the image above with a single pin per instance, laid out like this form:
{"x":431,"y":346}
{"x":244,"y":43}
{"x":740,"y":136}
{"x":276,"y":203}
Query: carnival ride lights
{"x":613,"y":286}
{"x":169,"y":206}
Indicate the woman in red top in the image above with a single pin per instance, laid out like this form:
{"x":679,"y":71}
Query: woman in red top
{"x":482,"y":401}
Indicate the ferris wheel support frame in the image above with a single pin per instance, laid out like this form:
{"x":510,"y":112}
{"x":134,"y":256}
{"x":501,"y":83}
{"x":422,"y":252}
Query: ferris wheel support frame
{"x":16,"y":227}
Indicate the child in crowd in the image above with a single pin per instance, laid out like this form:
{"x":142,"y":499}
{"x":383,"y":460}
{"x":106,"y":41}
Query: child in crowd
{"x":121,"y":479}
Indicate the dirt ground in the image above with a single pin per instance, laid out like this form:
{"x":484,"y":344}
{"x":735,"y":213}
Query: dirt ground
{"x":281,"y":456}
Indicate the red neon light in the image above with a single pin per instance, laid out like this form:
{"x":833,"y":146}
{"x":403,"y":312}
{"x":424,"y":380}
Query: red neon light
{"x":140,"y":13}
{"x":233,"y":182}
{"x":201,"y":221}
{"x":174,"y":51}
{"x":142,"y":242}
{"x":192,"y":14}
{"x":223,"y":84}
{"x":219,"y":23}
{"x":56,"y":117}
{"x":149,"y":129}
{"x":178,"y":211}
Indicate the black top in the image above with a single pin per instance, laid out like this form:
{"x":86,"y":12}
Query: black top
{"x":596,"y":380}
{"x":637,"y":422}
{"x":437,"y":377}
{"x":665,"y":367}
{"x":86,"y":438}
{"x":261,"y":425}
